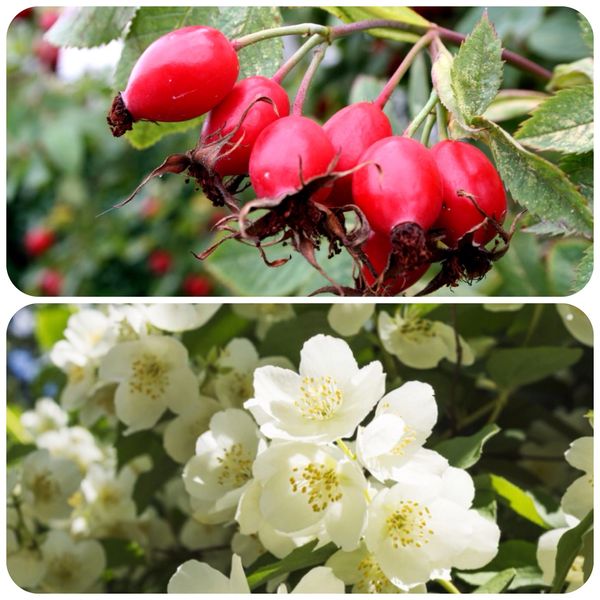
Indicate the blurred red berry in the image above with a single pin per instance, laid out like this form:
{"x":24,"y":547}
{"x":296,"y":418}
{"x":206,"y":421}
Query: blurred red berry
{"x":160,"y":262}
{"x":47,"y":54}
{"x":24,"y":15}
{"x":197,"y":285}
{"x":38,"y":240}
{"x":51,"y":283}
{"x":48,"y":18}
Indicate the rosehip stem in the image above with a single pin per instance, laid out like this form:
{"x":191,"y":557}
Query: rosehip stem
{"x":307,"y":79}
{"x":429,"y":123}
{"x":293,"y":60}
{"x":395,"y":79}
{"x":275,"y":32}
{"x":442,"y":121}
{"x":423,"y":114}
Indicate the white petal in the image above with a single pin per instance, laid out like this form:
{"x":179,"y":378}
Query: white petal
{"x":319,"y":580}
{"x":345,"y":520}
{"x":136,"y":410}
{"x":482,"y":545}
{"x":581,"y":454}
{"x":380,"y":436}
{"x":414,"y":402}
{"x":458,"y":486}
{"x":195,"y":577}
{"x":546,"y":552}
{"x":180,"y":317}
{"x":578,"y":499}
{"x":348,"y":319}
{"x":326,"y":356}
{"x":239,"y":583}
{"x":182,"y":391}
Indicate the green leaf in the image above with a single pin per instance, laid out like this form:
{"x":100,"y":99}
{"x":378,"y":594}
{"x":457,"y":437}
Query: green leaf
{"x":510,"y":104}
{"x":569,"y":546}
{"x":351,"y":14}
{"x":14,"y":428}
{"x":584,"y":269}
{"x":519,"y":555}
{"x":86,"y":27}
{"x":562,"y":261}
{"x":441,"y":77}
{"x":587,"y":34}
{"x":563,"y":123}
{"x":569,"y":75}
{"x":50,"y":324}
{"x":579,"y":168}
{"x":536,"y":183}
{"x":145,"y":133}
{"x":587,"y":552}
{"x":464,"y":451}
{"x":17,"y":451}
{"x":477,"y":70}
{"x":511,"y":368}
{"x":518,"y":500}
{"x":558,"y":38}
{"x":300,"y":558}
{"x":497,"y":584}
{"x":122,"y":553}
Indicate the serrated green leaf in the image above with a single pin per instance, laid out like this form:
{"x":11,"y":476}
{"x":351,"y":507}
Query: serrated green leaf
{"x":498,"y":583}
{"x":536,"y":183}
{"x":464,"y":451}
{"x":145,"y":133}
{"x":87,"y":27}
{"x":518,"y":500}
{"x":569,"y":75}
{"x":579,"y":168}
{"x":563,"y":123}
{"x":300,"y":558}
{"x":351,"y":14}
{"x":546,"y":228}
{"x":477,"y":70}
{"x":561,"y":261}
{"x":569,"y":546}
{"x":511,"y":368}
{"x":510,"y":104}
{"x":584,"y":269}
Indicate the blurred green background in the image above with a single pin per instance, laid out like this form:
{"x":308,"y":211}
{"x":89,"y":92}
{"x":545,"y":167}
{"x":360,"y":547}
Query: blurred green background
{"x":64,"y":169}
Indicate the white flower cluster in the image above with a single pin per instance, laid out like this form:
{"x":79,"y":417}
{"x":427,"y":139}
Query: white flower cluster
{"x":287,"y":473}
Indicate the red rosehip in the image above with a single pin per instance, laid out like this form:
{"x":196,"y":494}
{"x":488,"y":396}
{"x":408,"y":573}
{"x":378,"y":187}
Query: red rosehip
{"x":279,"y":152}
{"x":401,"y":186}
{"x":226,"y":116}
{"x":351,"y":131}
{"x":465,"y":168}
{"x":24,"y":15}
{"x":181,"y":75}
{"x":38,"y":240}
{"x":47,"y":54}
{"x":196,"y":285}
{"x":378,"y":248}
{"x":160,"y":262}
{"x":51,"y":282}
{"x":48,"y":18}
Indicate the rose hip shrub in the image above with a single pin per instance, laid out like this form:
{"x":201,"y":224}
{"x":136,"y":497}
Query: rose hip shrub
{"x":315,"y":150}
{"x":318,"y":448}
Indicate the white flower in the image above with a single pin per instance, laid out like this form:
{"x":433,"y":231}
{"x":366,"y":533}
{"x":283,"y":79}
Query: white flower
{"x":423,"y":526}
{"x":305,"y":486}
{"x":239,"y":359}
{"x":46,"y":416}
{"x":348,"y":319}
{"x":578,"y":500}
{"x":248,"y":547}
{"x":324,"y":402}
{"x":81,"y":379}
{"x":180,"y":317}
{"x":74,"y":443}
{"x":71,"y":566}
{"x":47,"y":484}
{"x":222,"y":467}
{"x":319,"y":580}
{"x":547,"y":550}
{"x":130,"y":321}
{"x":180,"y":435}
{"x":26,"y":567}
{"x":251,"y":522}
{"x":421,"y":343}
{"x":100,"y":403}
{"x":577,"y":323}
{"x":403,"y":421}
{"x":360,"y":570}
{"x":153,"y":374}
{"x":266,"y":315}
{"x":195,"y":577}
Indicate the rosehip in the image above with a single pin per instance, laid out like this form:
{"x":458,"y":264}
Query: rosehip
{"x":351,"y":131}
{"x":378,"y":248}
{"x":47,"y":54}
{"x":282,"y":149}
{"x":38,"y":240}
{"x":51,"y":283}
{"x":160,"y":262}
{"x":48,"y":18}
{"x":465,"y":168}
{"x":226,"y":117}
{"x":402,"y":185}
{"x":196,"y":285}
{"x":181,"y":75}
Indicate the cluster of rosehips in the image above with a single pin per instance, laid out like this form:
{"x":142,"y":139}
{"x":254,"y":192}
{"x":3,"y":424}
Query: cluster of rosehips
{"x":450,"y":193}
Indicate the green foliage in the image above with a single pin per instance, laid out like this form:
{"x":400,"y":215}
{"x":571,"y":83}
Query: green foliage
{"x":477,"y":70}
{"x":515,"y":367}
{"x":50,"y":323}
{"x":464,"y":452}
{"x":569,"y":547}
{"x":86,"y":27}
{"x":301,"y":558}
{"x":497,"y":584}
{"x":123,"y":553}
{"x":535,"y":183}
{"x":511,"y":104}
{"x":580,"y":170}
{"x":580,"y":72}
{"x":563,"y":123}
{"x":584,"y":269}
